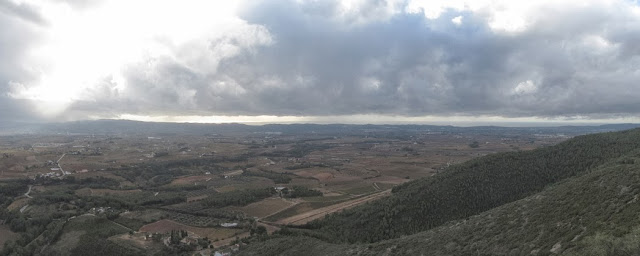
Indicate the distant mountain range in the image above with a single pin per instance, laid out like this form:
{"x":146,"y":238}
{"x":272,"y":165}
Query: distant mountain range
{"x":136,"y":127}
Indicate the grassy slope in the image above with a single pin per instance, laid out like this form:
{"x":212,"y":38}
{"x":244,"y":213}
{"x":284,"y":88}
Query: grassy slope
{"x":592,"y":214}
{"x":473,"y":187}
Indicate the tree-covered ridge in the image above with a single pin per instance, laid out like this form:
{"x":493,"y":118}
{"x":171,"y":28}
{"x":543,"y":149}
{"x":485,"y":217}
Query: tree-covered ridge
{"x":591,"y":214}
{"x":473,"y":187}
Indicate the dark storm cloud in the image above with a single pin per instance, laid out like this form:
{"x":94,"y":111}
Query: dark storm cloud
{"x":435,"y":67}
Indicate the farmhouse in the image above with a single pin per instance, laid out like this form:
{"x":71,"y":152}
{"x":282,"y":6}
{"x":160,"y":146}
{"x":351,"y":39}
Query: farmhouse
{"x":229,"y":224}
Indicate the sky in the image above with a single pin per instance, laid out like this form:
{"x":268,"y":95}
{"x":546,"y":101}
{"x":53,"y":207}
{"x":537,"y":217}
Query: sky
{"x":352,"y":61}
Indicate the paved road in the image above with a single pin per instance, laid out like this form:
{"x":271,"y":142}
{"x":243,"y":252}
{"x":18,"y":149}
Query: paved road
{"x":59,"y":166}
{"x":321,"y":212}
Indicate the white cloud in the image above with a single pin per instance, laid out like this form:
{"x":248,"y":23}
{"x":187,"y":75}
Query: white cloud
{"x":432,"y":9}
{"x":510,"y":16}
{"x":526,"y":87}
{"x":457,"y":20}
{"x":361,"y":12}
{"x":84,"y":46}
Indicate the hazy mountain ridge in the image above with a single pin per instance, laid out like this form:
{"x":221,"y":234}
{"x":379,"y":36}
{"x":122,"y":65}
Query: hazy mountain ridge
{"x":111,"y":126}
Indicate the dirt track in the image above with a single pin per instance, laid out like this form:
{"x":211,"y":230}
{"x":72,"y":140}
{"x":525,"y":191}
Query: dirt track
{"x":321,"y":212}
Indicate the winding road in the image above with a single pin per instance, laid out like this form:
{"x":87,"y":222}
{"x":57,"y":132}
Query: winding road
{"x":28,"y":191}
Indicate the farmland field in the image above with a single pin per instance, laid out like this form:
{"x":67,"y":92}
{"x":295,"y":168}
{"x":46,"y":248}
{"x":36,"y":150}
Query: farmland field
{"x":163,"y":226}
{"x":265,"y":207}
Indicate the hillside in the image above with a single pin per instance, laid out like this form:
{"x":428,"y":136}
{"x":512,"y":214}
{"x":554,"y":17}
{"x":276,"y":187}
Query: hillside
{"x":592,"y":214}
{"x":485,"y":183}
{"x":473,"y":187}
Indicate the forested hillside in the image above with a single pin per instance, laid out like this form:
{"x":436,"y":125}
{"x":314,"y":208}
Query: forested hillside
{"x":591,"y":214}
{"x":473,"y":187}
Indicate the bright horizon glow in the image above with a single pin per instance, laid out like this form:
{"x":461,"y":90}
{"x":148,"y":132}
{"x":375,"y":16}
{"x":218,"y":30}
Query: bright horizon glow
{"x":381,"y":119}
{"x":84,"y":48}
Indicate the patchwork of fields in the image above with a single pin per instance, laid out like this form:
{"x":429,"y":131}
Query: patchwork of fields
{"x":186,"y":192}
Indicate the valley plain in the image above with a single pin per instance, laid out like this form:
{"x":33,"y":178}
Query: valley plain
{"x":142,"y":189}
